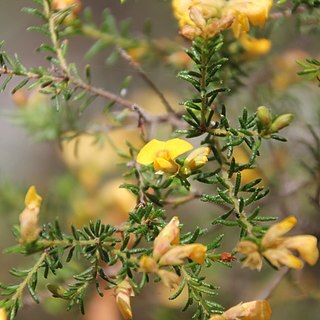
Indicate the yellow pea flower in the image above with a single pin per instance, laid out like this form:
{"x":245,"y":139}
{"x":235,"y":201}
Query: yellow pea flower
{"x":278,"y":249}
{"x":148,"y":264}
{"x":123,"y":291}
{"x":168,"y":236}
{"x":163,"y":153}
{"x":3,"y":314}
{"x":253,"y":310}
{"x":175,"y":256}
{"x":197,"y":158}
{"x":63,"y":4}
{"x":29,"y":217}
{"x":251,"y":250}
{"x":254,"y":47}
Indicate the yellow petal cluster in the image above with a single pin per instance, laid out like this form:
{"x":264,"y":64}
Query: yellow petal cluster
{"x":220,"y":15}
{"x":253,"y":310}
{"x":163,"y":153}
{"x":278,"y":250}
{"x":29,"y":229}
{"x":123,"y":291}
{"x":168,"y":252}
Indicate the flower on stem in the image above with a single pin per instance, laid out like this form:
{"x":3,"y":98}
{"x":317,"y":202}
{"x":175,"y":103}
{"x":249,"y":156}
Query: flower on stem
{"x":197,"y":158}
{"x":278,"y":250}
{"x":29,"y":229}
{"x":219,"y":15}
{"x":168,"y":252}
{"x":253,"y":310}
{"x":63,"y":4}
{"x":163,"y":153}
{"x":175,"y":256}
{"x":168,"y":236}
{"x":123,"y":291}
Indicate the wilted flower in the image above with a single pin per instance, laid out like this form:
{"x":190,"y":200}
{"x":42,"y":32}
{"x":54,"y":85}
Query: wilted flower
{"x":278,"y":249}
{"x":168,"y":236}
{"x":123,"y":292}
{"x":148,"y":264}
{"x":163,"y":153}
{"x":29,"y":229}
{"x":169,"y":279}
{"x":175,"y":256}
{"x":251,"y":250}
{"x":253,"y":310}
{"x":213,"y":16}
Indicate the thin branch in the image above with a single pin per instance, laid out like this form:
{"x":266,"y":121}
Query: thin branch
{"x":146,"y":78}
{"x":273,"y":284}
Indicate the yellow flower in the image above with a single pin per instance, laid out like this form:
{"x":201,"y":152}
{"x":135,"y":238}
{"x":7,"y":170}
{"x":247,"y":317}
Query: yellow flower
{"x":163,"y":153}
{"x":197,"y":158}
{"x":278,"y":249}
{"x":247,"y":11}
{"x":168,"y":236}
{"x":251,"y":250}
{"x":175,"y":256}
{"x":148,"y":264}
{"x":3,"y":314}
{"x":208,"y":9}
{"x":29,"y":217}
{"x":219,"y":15}
{"x":63,"y":4}
{"x":169,"y":279}
{"x":123,"y":291}
{"x":253,"y":310}
{"x":254,"y":47}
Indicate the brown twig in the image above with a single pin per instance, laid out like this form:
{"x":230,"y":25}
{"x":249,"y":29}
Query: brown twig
{"x":147,"y":80}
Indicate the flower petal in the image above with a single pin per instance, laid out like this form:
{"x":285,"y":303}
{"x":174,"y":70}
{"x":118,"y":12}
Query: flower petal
{"x":306,"y":245}
{"x":283,"y":257}
{"x":148,"y":153}
{"x":177,"y":147}
{"x":277,"y":230}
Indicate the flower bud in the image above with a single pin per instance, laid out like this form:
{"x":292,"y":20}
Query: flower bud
{"x":264,"y":115}
{"x":190,"y":32}
{"x":29,"y":229}
{"x":56,"y":290}
{"x":197,"y":158}
{"x":197,"y":17}
{"x":281,"y":122}
{"x":123,"y":292}
{"x":3,"y":314}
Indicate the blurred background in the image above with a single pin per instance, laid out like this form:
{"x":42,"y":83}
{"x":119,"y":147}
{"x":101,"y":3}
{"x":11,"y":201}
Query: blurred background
{"x":82,"y":185}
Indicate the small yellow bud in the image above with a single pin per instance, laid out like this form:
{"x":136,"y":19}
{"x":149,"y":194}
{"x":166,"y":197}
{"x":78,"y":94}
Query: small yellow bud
{"x":264,"y":115}
{"x":281,"y":122}
{"x":29,"y":217}
{"x":123,"y":292}
{"x":3,"y":314}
